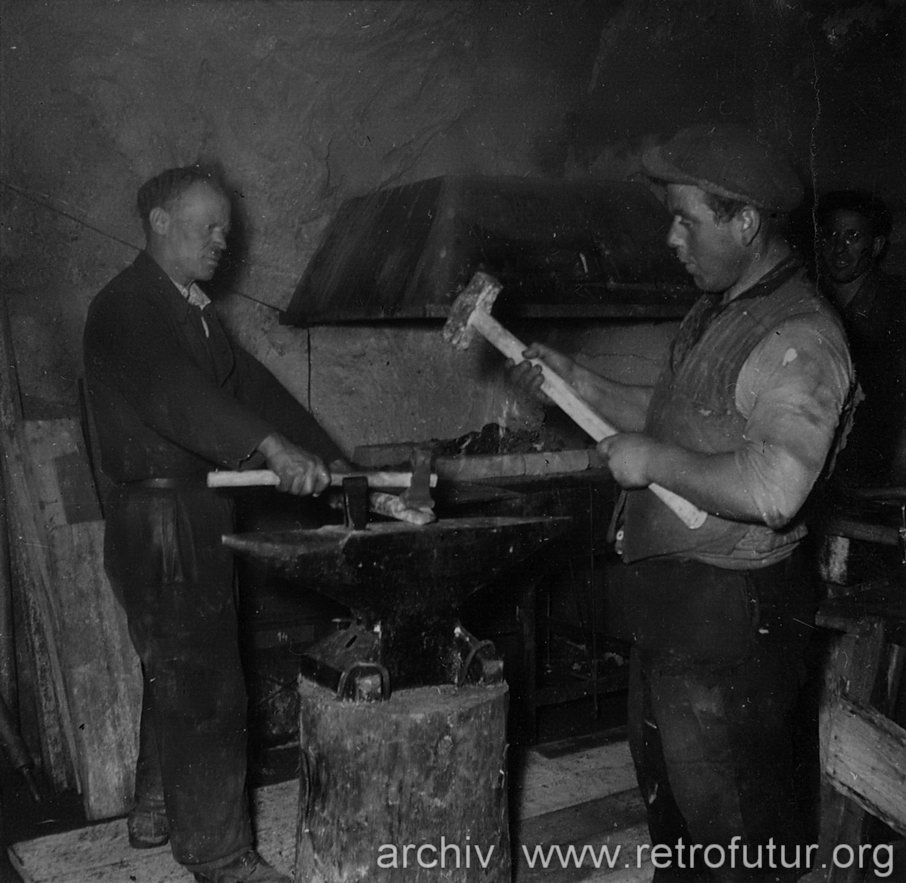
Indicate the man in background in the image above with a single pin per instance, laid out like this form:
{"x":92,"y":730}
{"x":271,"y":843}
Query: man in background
{"x":741,"y":422}
{"x":852,"y":236}
{"x":173,"y":397}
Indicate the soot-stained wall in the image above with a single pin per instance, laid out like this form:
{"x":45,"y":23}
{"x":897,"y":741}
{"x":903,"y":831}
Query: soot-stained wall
{"x":306,"y":104}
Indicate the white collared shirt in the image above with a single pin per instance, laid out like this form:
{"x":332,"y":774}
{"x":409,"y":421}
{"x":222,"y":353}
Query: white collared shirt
{"x":197,"y":298}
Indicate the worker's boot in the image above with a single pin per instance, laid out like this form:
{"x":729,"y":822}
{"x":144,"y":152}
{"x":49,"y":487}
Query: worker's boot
{"x":248,"y":868}
{"x":147,"y":824}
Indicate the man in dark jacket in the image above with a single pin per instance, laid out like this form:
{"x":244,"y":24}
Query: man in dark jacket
{"x":741,"y":423}
{"x":173,"y":397}
{"x":853,"y":229}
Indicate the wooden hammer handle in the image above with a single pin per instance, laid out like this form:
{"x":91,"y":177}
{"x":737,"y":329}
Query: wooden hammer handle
{"x":562,"y":394}
{"x":263,"y":477}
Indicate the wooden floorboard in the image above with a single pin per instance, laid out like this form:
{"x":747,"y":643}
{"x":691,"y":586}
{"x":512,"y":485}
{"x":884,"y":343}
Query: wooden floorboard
{"x":595,"y":838}
{"x":575,"y":793}
{"x":568,"y":773}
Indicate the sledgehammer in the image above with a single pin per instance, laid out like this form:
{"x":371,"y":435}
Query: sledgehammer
{"x":471,"y":313}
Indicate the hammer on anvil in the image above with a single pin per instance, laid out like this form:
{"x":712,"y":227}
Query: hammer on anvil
{"x":471,"y":313}
{"x":414,"y":505}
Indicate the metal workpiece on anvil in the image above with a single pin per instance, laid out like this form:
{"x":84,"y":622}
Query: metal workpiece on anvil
{"x":403,"y":585}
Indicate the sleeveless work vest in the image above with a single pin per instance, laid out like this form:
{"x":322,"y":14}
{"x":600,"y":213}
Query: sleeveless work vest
{"x":693,"y":405}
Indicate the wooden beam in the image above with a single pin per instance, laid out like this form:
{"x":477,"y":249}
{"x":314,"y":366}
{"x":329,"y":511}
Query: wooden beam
{"x":514,"y":465}
{"x":866,"y":760}
{"x":32,"y":586}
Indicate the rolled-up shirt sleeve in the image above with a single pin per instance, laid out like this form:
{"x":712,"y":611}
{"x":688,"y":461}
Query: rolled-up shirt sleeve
{"x":792,"y":390}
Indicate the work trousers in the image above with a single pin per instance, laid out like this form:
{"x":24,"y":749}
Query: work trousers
{"x":718,"y":661}
{"x":175,"y":580}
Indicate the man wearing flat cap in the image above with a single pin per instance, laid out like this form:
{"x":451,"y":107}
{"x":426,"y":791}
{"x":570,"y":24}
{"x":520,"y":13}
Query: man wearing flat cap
{"x":743,"y":421}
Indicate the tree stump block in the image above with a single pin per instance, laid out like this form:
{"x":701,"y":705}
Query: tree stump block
{"x":415,"y":786}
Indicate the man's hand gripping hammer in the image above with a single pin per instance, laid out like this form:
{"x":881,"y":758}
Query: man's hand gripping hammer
{"x":471,"y":314}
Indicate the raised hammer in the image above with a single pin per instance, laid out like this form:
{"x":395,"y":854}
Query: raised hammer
{"x":471,"y":314}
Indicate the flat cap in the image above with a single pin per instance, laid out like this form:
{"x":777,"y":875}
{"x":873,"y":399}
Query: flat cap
{"x":730,"y":161}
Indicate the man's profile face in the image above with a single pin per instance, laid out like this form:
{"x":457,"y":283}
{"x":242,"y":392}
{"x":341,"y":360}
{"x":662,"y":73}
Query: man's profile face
{"x":707,"y":248}
{"x":191,"y":233}
{"x":847,"y":246}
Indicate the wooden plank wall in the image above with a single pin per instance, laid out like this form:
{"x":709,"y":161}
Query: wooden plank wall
{"x":75,"y":655}
{"x":42,"y":698}
{"x":101,"y":671}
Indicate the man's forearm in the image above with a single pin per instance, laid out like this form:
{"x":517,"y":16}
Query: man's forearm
{"x":622,"y":404}
{"x":710,"y":481}
{"x":271,"y":445}
{"x":760,"y":482}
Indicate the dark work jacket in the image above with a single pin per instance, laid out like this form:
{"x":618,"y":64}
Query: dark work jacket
{"x":875,"y":322}
{"x":694,"y":406}
{"x":169,"y":401}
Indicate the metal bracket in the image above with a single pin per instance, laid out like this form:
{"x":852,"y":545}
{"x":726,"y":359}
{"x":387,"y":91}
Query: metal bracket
{"x":308,"y":784}
{"x":484,"y":653}
{"x":355,"y":502}
{"x":355,"y":682}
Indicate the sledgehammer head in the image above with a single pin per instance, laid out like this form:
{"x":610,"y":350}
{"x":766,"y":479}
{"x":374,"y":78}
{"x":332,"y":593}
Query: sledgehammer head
{"x":479,"y":294}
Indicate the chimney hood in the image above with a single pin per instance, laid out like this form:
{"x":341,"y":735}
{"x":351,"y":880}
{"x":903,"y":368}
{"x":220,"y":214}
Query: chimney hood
{"x":561,"y":249}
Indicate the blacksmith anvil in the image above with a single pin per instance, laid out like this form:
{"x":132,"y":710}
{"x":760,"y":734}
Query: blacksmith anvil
{"x":403,"y":584}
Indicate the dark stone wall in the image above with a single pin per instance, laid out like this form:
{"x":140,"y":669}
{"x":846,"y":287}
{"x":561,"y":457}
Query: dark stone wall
{"x":305,"y":104}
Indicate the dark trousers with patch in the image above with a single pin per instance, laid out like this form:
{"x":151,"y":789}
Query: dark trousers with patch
{"x":175,"y":580}
{"x":717,"y":666}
